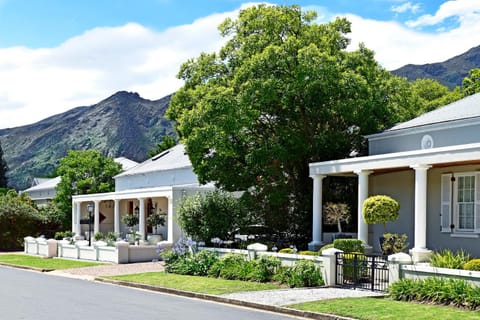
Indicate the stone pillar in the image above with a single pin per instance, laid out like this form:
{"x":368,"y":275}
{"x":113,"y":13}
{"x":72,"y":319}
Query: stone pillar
{"x":420,"y":252}
{"x":141,"y":218}
{"x":317,"y":213}
{"x":116,"y":216}
{"x":362,"y":196}
{"x":96,"y":219}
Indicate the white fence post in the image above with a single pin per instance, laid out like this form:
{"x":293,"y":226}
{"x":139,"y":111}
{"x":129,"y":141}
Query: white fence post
{"x":329,"y":266}
{"x":395,"y":261}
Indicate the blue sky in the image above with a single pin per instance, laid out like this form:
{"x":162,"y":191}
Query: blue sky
{"x":58,"y":54}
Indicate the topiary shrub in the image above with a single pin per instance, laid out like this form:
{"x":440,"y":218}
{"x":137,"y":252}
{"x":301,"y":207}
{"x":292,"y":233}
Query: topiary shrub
{"x":349,"y":245}
{"x":380,"y":209}
{"x":473,"y":265}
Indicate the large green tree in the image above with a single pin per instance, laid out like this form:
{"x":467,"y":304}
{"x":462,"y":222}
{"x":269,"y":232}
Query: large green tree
{"x":282,"y":92}
{"x":471,"y":84}
{"x":3,"y":170}
{"x":18,"y":219}
{"x":83,"y":172}
{"x":433,"y":94}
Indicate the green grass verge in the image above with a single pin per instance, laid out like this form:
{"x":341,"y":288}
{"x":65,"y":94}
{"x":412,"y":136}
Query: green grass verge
{"x":384,"y":308}
{"x":207,"y":285}
{"x":43,"y":263}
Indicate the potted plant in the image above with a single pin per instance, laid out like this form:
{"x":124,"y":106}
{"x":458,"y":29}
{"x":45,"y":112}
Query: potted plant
{"x":336,"y":213}
{"x":131,"y":220}
{"x":154,"y":220}
{"x":380,"y":209}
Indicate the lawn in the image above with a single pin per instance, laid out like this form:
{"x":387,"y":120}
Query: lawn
{"x":195,"y":284}
{"x":43,"y":263}
{"x":386,"y":309}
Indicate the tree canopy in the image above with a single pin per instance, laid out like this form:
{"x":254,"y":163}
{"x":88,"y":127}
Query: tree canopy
{"x":471,"y":84}
{"x":283,"y":92}
{"x":166,"y":143}
{"x":3,"y":170}
{"x":83,"y":172}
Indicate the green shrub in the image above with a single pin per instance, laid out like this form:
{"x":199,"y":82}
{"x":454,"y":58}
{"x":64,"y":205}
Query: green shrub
{"x":286,"y":250}
{"x":473,"y":265}
{"x":349,"y":245}
{"x":59,"y":235}
{"x":263,"y":269}
{"x":325,"y":247}
{"x":18,"y":219}
{"x":304,"y":274}
{"x":111,"y":237}
{"x":215,"y":214}
{"x":98,"y":236}
{"x":448,"y":259}
{"x":197,"y":264}
{"x":380,"y":209}
{"x":351,"y":259}
{"x":437,"y":290}
{"x":403,"y":290}
{"x":394,"y":243}
{"x":308,"y":253}
{"x":231,"y":267}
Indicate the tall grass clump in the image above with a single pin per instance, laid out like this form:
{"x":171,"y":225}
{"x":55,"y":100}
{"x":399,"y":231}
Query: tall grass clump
{"x":448,"y":259}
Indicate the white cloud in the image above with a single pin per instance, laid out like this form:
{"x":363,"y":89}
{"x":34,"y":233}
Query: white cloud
{"x":396,"y":45}
{"x":407,"y":6}
{"x":463,"y":9}
{"x":36,"y":83}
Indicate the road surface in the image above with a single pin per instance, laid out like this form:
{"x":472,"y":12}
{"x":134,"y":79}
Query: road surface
{"x":35,"y":296}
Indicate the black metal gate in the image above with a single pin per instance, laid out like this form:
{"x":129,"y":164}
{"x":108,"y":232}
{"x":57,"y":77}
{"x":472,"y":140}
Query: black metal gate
{"x":358,"y":270}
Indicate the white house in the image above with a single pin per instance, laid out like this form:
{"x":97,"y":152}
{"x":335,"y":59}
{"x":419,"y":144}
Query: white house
{"x":431,"y":165}
{"x":43,"y":190}
{"x":154,"y":186}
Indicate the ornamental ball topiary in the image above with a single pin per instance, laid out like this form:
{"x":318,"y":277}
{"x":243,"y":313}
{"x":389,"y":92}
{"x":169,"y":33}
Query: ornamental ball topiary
{"x":380,"y":209}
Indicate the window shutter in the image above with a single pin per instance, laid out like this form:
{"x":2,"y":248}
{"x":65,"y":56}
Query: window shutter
{"x":477,"y":202}
{"x":446,"y":199}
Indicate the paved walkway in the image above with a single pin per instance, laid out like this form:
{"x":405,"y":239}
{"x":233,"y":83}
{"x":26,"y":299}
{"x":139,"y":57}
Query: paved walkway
{"x":90,"y":273}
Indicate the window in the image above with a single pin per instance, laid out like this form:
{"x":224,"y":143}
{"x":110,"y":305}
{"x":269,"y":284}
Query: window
{"x":460,"y":203}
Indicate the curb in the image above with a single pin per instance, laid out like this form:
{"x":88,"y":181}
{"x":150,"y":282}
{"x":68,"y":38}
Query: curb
{"x":24,"y":267}
{"x":209,"y":297}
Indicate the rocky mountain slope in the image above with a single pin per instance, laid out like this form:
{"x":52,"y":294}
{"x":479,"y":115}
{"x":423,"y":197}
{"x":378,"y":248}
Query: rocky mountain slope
{"x":450,"y":72}
{"x":122,"y":125}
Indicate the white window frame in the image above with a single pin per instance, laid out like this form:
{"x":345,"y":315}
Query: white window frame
{"x":449,"y":202}
{"x":456,"y":206}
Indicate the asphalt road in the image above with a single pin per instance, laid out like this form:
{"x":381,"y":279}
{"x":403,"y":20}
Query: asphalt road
{"x":35,"y":296}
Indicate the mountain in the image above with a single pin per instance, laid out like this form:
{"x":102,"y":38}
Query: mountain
{"x":450,"y":72}
{"x":122,"y":125}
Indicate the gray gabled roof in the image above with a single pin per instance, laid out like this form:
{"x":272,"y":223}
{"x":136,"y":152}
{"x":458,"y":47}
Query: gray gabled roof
{"x":173,"y":158}
{"x":465,"y":108}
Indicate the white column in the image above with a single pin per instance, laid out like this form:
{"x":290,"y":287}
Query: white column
{"x":170,"y":220}
{"x":78,"y":211}
{"x":141,"y":220}
{"x":362,"y":196}
{"x":74,"y":215}
{"x":116,"y":216}
{"x":420,"y":243}
{"x":316,"y":213}
{"x":96,"y":220}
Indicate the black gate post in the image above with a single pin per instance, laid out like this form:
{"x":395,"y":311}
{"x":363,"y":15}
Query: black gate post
{"x":372,"y":279}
